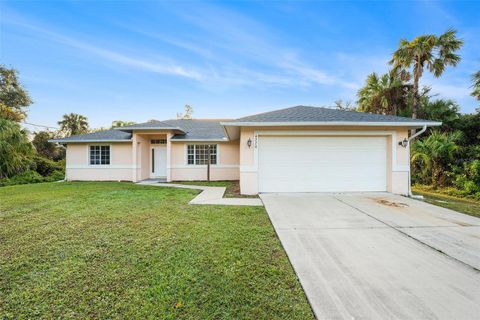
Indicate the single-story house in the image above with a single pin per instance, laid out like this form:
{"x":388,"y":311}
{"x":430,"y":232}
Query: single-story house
{"x":297,"y":149}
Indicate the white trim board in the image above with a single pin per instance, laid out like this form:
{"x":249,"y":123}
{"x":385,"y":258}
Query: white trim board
{"x":102,"y":166}
{"x":333,"y":123}
{"x":203,"y":166}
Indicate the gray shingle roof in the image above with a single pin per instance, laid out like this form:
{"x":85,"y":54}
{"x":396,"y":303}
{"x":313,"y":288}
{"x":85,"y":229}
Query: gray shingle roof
{"x":195,"y":129}
{"x":106,"y":135}
{"x":213,"y":130}
{"x":319,"y":114}
{"x":152,"y":124}
{"x":201,"y":129}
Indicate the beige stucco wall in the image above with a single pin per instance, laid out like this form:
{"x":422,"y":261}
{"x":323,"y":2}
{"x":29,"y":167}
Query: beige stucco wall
{"x":227,"y":167}
{"x":398,"y":169}
{"x":78,"y":167}
{"x":143,"y":152}
{"x":236,"y":159}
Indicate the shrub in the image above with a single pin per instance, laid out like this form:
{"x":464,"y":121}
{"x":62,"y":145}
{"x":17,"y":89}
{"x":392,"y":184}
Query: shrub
{"x":469,"y":178}
{"x":29,"y":176}
{"x":56,"y":176}
{"x":46,"y":167}
{"x":32,"y":176}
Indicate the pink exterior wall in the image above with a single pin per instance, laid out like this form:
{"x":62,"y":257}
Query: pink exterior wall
{"x":227,"y":167}
{"x":78,"y":167}
{"x":397,"y":158}
{"x":144,"y":155}
{"x":131,"y":160}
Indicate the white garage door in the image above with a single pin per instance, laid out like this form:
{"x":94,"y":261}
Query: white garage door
{"x":322,"y":164}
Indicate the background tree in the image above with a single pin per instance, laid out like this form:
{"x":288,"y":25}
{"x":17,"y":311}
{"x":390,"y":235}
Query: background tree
{"x":120,"y":123}
{"x":426,"y":51}
{"x":432,"y":157}
{"x":14,"y":99}
{"x":385,"y":94}
{"x":15,"y":149}
{"x":73,"y":124}
{"x":476,"y":85}
{"x":187,"y":114}
{"x":445,"y":111}
{"x":344,"y":105}
{"x":47,"y":149}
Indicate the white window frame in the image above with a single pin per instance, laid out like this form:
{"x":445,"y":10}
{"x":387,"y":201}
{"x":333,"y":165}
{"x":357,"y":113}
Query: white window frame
{"x":109,"y":154}
{"x":194,"y":154}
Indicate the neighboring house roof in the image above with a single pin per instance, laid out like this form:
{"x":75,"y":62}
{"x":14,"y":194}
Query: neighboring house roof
{"x":99,"y":136}
{"x":305,"y":115}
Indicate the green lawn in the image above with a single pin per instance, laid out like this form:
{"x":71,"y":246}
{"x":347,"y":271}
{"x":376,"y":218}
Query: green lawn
{"x":119,"y":250}
{"x":464,"y":205}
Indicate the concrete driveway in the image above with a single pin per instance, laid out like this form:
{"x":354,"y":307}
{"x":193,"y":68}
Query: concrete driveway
{"x":380,"y":256}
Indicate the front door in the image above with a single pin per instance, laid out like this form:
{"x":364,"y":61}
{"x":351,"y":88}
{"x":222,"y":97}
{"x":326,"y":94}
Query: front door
{"x":158,"y":162}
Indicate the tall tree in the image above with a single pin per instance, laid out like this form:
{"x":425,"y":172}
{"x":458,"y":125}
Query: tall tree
{"x":14,"y":99}
{"x":15,"y":149}
{"x":445,"y":111}
{"x":476,"y":85}
{"x":47,"y":149}
{"x":187,"y":114}
{"x":385,"y":94}
{"x":426,"y":51}
{"x":73,"y":124}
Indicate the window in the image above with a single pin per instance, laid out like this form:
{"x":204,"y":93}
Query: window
{"x":99,"y":155}
{"x":158,"y":141}
{"x":197,"y":154}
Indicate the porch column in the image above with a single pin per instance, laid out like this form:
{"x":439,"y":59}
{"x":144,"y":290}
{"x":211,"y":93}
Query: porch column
{"x":134,"y":157}
{"x":169,"y":147}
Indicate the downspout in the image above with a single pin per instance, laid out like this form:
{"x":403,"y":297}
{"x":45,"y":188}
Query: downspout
{"x":409,"y":160}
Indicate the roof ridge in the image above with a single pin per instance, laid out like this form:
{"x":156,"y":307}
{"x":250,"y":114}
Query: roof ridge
{"x":201,"y":119}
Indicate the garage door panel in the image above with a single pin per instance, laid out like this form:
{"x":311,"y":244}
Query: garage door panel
{"x":322,"y":164}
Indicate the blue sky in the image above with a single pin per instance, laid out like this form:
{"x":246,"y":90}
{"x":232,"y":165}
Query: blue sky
{"x":144,"y":60}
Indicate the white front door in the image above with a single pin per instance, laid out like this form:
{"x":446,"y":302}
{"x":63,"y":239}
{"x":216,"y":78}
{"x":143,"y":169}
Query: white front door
{"x":322,"y":164}
{"x":158,"y":162}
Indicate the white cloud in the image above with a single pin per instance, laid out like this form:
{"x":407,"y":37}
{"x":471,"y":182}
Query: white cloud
{"x":169,"y":68}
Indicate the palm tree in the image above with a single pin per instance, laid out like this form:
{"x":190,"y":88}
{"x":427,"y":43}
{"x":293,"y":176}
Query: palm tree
{"x":431,"y":156}
{"x":73,"y":124}
{"x":15,"y":149}
{"x":476,"y":85}
{"x":426,"y":51}
{"x":385,"y":94}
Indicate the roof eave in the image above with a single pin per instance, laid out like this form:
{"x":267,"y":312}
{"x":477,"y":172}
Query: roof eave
{"x":199,"y":140}
{"x":87,"y":140}
{"x":333,"y":123}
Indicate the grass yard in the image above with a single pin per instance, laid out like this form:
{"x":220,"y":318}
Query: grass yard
{"x":119,"y":250}
{"x":467,"y":206}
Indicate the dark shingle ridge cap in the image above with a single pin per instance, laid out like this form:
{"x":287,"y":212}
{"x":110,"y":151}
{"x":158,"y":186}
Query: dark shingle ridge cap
{"x":321,"y":115}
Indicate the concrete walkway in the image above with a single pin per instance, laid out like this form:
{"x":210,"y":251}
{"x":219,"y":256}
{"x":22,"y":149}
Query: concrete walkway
{"x":380,"y":256}
{"x":209,"y":195}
